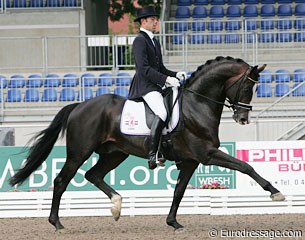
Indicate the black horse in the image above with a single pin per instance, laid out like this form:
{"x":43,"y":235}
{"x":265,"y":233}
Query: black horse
{"x":94,"y":126}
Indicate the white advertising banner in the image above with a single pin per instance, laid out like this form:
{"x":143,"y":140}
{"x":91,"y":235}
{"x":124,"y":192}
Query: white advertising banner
{"x":280,"y":162}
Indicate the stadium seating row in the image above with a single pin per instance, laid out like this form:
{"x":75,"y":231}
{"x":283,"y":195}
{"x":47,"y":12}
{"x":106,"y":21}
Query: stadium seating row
{"x":232,"y":2}
{"x":268,"y":10}
{"x":68,"y":80}
{"x":65,"y":94}
{"x":281,"y":89}
{"x":217,"y":38}
{"x":282,"y":76}
{"x":39,"y":3}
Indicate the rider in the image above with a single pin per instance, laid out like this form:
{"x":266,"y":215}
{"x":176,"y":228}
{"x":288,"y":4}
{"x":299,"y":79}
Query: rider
{"x":151,"y":75}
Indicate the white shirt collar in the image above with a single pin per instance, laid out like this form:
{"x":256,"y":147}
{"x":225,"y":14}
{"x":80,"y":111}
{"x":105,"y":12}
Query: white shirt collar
{"x":149,"y":33}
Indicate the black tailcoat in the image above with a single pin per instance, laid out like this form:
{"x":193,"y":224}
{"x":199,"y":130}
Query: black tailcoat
{"x":150,"y":73}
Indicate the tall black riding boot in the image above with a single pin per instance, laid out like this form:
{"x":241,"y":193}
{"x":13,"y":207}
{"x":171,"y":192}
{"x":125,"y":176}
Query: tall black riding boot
{"x":155,"y":135}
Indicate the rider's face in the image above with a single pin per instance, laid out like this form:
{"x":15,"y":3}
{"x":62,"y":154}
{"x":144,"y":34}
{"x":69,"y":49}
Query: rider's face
{"x":150,"y":23}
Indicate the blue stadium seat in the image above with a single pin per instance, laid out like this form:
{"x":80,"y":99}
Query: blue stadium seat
{"x":179,"y":39}
{"x":267,"y":24}
{"x":282,"y":75}
{"x":299,"y":75}
{"x":284,"y":10}
{"x":266,"y":37}
{"x":300,"y":1}
{"x":214,"y":38}
{"x":3,"y":81}
{"x":216,"y":12}
{"x":251,"y":1}
{"x":19,"y":4}
{"x":105,"y":79}
{"x":250,"y":37}
{"x":53,"y":3}
{"x":235,"y":2}
{"x":218,"y":2}
{"x":197,"y":39}
{"x":299,"y":36}
{"x":121,"y":91}
{"x":102,"y":90}
{"x":67,"y":94}
{"x":299,"y":23}
{"x":70,"y":80}
{"x":251,"y":24}
{"x":198,"y":26}
{"x":215,"y":25}
{"x":36,"y":3}
{"x":7,"y":3}
{"x":284,"y":1}
{"x":281,"y":89}
{"x":284,"y":37}
{"x":85,"y":94}
{"x":1,"y":93}
{"x":123,"y":79}
{"x":34,"y":81}
{"x":13,"y":95}
{"x":265,"y":76}
{"x":69,"y":3}
{"x":201,"y":2}
{"x":199,"y":12}
{"x":88,"y":80}
{"x":267,"y":10}
{"x":52,"y":80}
{"x":284,"y":23}
{"x":264,"y":90}
{"x":183,"y":12}
{"x":49,"y":95}
{"x":233,"y":25}
{"x":268,"y":1}
{"x":300,"y":91}
{"x":184,"y":2}
{"x":233,"y":11}
{"x":250,"y":11}
{"x":31,"y":95}
{"x":17,"y":81}
{"x":232,"y":38}
{"x":181,"y":26}
{"x":299,"y":10}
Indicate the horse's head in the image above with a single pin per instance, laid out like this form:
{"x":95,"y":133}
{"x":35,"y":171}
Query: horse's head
{"x":239,"y":92}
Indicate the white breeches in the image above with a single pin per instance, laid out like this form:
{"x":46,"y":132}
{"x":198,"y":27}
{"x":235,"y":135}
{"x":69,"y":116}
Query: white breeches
{"x":155,"y":102}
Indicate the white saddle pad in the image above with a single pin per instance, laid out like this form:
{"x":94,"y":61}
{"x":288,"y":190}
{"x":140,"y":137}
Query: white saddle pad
{"x":133,"y":119}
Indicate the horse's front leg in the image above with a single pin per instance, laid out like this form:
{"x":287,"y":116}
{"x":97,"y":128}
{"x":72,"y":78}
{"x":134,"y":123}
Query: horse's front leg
{"x":186,"y":172}
{"x":222,"y":159}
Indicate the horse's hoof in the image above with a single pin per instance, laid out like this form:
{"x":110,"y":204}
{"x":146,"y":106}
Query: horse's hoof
{"x":117,"y":206}
{"x":58,"y":226}
{"x":175,"y":225}
{"x":152,"y":164}
{"x":277,"y":196}
{"x":115,"y":213}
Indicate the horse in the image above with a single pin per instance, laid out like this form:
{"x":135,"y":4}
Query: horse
{"x":94,"y":126}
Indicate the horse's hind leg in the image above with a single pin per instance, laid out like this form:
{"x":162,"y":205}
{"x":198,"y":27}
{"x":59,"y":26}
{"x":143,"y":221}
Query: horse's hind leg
{"x":60,"y":184}
{"x":96,"y":175}
{"x":227,"y":161}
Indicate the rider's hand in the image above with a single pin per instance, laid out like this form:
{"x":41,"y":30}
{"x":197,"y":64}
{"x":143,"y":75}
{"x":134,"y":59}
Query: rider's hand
{"x":181,"y":75}
{"x":172,"y":82}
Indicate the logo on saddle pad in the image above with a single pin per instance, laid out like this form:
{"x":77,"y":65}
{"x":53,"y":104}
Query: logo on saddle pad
{"x":133,"y":119}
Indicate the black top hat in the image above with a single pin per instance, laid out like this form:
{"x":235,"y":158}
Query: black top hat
{"x":147,"y":11}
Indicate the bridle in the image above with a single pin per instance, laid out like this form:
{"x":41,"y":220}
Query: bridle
{"x":235,"y":105}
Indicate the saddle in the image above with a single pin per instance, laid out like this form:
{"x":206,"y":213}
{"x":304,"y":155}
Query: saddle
{"x":137,"y":117}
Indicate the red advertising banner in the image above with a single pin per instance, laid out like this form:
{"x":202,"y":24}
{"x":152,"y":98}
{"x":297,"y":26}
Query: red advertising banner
{"x":280,"y":162}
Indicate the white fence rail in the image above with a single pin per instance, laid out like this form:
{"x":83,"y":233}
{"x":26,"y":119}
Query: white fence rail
{"x":147,"y":202}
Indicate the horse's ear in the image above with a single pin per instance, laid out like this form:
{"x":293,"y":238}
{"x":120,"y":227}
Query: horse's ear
{"x":261,"y":68}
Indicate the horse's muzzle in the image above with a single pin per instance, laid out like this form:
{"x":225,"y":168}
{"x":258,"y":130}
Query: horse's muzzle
{"x":242,"y":117}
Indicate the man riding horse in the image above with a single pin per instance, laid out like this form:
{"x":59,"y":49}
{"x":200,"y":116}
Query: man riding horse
{"x":151,"y":76}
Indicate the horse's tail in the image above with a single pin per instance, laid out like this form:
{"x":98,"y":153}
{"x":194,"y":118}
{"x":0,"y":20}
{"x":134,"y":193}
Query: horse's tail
{"x":44,"y":142}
